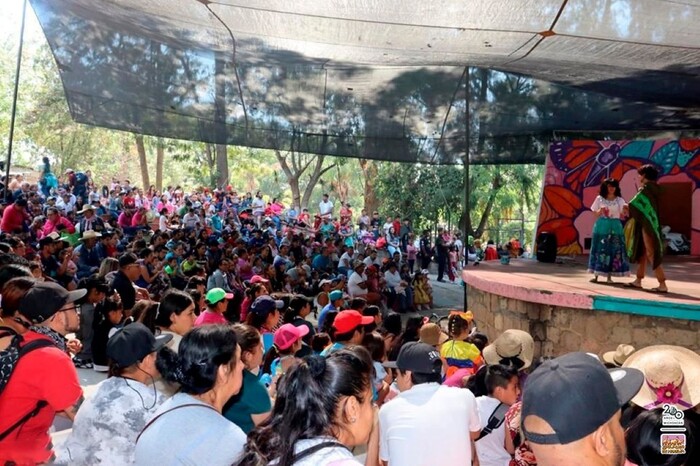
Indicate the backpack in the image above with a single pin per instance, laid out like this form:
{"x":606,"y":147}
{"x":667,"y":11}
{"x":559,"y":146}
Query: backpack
{"x":495,"y":420}
{"x":9,"y":357}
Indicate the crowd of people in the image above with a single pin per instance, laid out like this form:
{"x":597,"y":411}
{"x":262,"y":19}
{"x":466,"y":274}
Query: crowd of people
{"x":198,"y":309}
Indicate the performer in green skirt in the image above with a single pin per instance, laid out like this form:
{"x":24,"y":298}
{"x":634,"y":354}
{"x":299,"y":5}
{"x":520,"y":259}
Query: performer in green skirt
{"x":608,"y":255}
{"x":645,"y":243}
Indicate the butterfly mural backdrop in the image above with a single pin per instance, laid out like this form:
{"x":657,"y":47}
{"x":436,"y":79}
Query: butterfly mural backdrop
{"x":575,"y":169}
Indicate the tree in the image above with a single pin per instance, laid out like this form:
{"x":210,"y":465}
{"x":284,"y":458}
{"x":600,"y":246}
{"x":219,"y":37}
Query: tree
{"x":369,"y":174}
{"x":295,"y":164}
{"x":143,"y":162}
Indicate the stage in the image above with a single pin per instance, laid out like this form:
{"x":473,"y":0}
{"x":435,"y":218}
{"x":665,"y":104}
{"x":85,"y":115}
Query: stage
{"x":565,"y":312}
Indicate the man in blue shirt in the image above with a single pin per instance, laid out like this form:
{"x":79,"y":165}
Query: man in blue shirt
{"x":322,"y":262}
{"x":336,"y":303}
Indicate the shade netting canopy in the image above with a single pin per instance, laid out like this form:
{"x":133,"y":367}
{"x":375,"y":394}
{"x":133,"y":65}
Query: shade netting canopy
{"x":400,"y":80}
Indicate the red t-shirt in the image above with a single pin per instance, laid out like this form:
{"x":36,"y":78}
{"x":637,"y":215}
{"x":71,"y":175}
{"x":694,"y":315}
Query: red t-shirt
{"x":44,"y":374}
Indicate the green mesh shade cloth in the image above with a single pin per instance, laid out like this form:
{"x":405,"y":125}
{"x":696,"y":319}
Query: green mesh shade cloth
{"x":380,"y":79}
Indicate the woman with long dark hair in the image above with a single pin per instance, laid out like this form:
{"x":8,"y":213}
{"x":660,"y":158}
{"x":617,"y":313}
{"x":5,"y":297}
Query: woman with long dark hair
{"x":189,"y":427}
{"x":174,"y":315}
{"x":323,"y":408}
{"x":608,"y":255}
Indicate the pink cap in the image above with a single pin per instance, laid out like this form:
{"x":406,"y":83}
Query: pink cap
{"x":258,"y":279}
{"x":288,"y":334}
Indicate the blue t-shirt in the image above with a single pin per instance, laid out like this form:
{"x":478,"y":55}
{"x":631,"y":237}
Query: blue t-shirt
{"x":324,"y":312}
{"x":321,"y":262}
{"x":332,"y":349}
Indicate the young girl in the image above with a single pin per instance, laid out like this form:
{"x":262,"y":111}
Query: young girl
{"x":411,"y":253}
{"x":453,"y":269}
{"x":422,"y":291}
{"x":108,"y":319}
{"x":456,"y":352}
{"x":381,"y":379}
{"x":608,"y":255}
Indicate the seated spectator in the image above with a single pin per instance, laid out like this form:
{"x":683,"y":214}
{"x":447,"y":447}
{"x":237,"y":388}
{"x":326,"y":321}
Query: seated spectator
{"x":577,"y":386}
{"x":173,"y":315}
{"x":264,"y":315}
{"x":55,"y":223}
{"x":97,"y":289}
{"x":87,"y":254}
{"x":358,"y":285}
{"x":299,"y":308}
{"x":324,"y":408}
{"x":457,"y":352}
{"x":43,"y":382}
{"x":209,"y":370}
{"x":503,"y":388}
{"x":422,"y":291}
{"x":107,"y":424}
{"x":252,"y":405}
{"x":217,"y":302}
{"x":348,"y":329}
{"x":109,"y":318}
{"x":337,"y":302}
{"x":123,"y":281}
{"x":417,"y":416}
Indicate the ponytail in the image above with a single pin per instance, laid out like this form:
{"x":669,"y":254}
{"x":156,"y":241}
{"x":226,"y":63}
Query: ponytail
{"x":307,"y":404}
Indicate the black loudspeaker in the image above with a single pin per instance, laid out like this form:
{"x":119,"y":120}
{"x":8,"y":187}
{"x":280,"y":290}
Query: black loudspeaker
{"x":547,"y":247}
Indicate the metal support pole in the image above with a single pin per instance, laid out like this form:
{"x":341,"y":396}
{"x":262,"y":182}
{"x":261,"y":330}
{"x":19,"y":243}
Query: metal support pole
{"x":466,"y":214}
{"x":8,"y":161}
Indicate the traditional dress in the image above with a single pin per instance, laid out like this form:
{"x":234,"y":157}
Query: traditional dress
{"x":608,"y":255}
{"x":644,"y":222}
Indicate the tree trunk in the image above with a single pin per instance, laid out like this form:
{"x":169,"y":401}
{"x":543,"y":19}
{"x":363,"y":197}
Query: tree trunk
{"x":160,"y":149}
{"x":292,"y":178}
{"x":221,"y":166}
{"x":143,"y":162}
{"x":220,"y":121}
{"x":370,"y":173}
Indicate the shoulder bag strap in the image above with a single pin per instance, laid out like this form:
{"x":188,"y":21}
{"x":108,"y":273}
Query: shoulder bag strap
{"x":311,"y":450}
{"x":495,"y":420}
{"x":169,"y":411}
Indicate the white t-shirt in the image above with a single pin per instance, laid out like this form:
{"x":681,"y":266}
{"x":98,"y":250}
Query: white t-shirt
{"x":329,"y":456}
{"x":392,"y":279}
{"x":325,"y":208}
{"x":107,"y":424}
{"x":491,"y":448}
{"x":353,"y":288}
{"x":258,"y":206}
{"x":193,"y":435}
{"x":428,"y":425}
{"x":163,"y":223}
{"x":345,"y":261}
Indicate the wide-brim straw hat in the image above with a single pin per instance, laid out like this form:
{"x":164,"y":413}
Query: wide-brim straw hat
{"x":90,"y":234}
{"x":511,"y":344}
{"x":619,"y":356}
{"x":671,"y":376}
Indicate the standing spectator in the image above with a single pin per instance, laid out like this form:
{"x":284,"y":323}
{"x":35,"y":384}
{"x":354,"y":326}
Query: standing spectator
{"x":425,"y":251}
{"x":325,"y":207}
{"x":418,"y":415}
{"x":44,"y":381}
{"x":209,"y":370}
{"x":441,"y":253}
{"x":107,"y":425}
{"x":577,"y":387}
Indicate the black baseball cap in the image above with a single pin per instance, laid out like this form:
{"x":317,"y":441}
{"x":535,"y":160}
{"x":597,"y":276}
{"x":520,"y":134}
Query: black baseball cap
{"x":575,"y":395}
{"x":417,"y":357}
{"x":44,"y":299}
{"x":133,"y":343}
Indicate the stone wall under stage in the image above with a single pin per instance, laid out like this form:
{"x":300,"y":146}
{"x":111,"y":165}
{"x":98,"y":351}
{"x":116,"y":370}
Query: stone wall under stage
{"x":558,"y":330}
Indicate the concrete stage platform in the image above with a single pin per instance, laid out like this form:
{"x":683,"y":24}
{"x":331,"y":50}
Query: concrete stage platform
{"x":567,"y":284}
{"x":564,"y":312}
